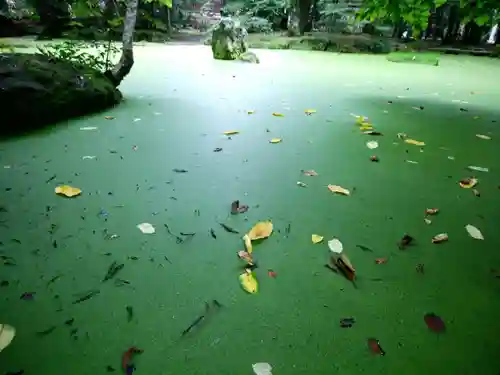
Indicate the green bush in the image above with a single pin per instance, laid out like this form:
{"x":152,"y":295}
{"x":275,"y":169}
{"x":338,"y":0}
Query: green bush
{"x":257,"y":25}
{"x":95,"y":55}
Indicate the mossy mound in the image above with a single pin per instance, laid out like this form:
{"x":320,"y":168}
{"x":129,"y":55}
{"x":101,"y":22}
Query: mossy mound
{"x":36,"y":91}
{"x":321,"y":42}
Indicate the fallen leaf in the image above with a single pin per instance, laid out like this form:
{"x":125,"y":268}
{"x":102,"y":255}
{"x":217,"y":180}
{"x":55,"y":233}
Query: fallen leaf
{"x":245,"y":256}
{"x":88,"y":157}
{"x":374,"y":158}
{"x":248,"y":282}
{"x":310,"y":173}
{"x":301,"y":184}
{"x":451,"y":157}
{"x":431,"y":211}
{"x":474,"y":232}
{"x":309,"y":111}
{"x":68,"y":191}
{"x":427,"y":221}
{"x":372,"y":144}
{"x":372,"y":132}
{"x":109,"y":117}
{"x":365,"y":128}
{"x":146,"y":228}
{"x":316,"y":238}
{"x":275,"y":140}
{"x":468,"y":183}
{"x":442,"y":237}
{"x":262,"y":368}
{"x":7,"y":334}
{"x":272,"y":273}
{"x":335,"y":246}
{"x":414,"y":142}
{"x":231,"y":132}
{"x":476,"y":192}
{"x":478,"y":169}
{"x":250,"y":112}
{"x":411,"y":162}
{"x":276,"y":114}
{"x":338,"y":190}
{"x":374,"y":346}
{"x":434,"y":322}
{"x":402,"y":135}
{"x":89,"y":128}
{"x":260,"y":230}
{"x":380,"y":260}
{"x":482,"y":136}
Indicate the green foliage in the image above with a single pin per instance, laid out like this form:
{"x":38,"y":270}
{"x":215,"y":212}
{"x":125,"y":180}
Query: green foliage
{"x":6,"y":47}
{"x":94,"y":55}
{"x":167,"y":3}
{"x":257,"y":25}
{"x":268,"y":9}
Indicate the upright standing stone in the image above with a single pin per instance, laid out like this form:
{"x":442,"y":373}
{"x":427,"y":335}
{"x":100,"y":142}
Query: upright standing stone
{"x":228,"y":40}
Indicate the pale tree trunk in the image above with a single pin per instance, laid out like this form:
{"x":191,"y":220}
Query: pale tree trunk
{"x":126,"y":62}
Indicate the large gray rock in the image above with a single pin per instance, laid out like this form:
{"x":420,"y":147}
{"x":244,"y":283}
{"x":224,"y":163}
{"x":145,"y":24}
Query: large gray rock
{"x":228,"y":40}
{"x":36,"y":91}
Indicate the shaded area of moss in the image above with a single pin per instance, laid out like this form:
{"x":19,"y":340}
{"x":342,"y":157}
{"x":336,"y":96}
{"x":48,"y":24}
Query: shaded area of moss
{"x":321,"y":42}
{"x":428,"y":58}
{"x":36,"y":91}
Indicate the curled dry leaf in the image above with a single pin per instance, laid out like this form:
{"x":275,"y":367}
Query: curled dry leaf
{"x":301,"y":184}
{"x":431,"y":211}
{"x":427,"y":221}
{"x":68,"y":191}
{"x":478,"y":169}
{"x":146,"y":228}
{"x":336,"y":246}
{"x":482,"y":136}
{"x":442,"y":237}
{"x":309,"y":111}
{"x":249,"y":282}
{"x":259,"y":231}
{"x":231,"y":132}
{"x":372,"y":144}
{"x":414,"y":142}
{"x":338,"y":190}
{"x":374,"y":158}
{"x":316,"y":238}
{"x":402,"y":135}
{"x":311,"y":172}
{"x":244,"y":255}
{"x":262,"y":368}
{"x":7,"y":334}
{"x":468,"y":183}
{"x":381,"y":260}
{"x":275,"y":140}
{"x":109,"y":117}
{"x":276,"y":114}
{"x":474,"y":232}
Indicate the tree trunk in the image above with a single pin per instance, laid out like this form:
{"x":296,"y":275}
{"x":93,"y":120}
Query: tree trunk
{"x":304,"y":15}
{"x":453,"y":25}
{"x":293,"y":19}
{"x":126,"y":62}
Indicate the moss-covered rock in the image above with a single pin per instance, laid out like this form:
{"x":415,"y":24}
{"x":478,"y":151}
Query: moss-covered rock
{"x":36,"y":91}
{"x":228,"y":40}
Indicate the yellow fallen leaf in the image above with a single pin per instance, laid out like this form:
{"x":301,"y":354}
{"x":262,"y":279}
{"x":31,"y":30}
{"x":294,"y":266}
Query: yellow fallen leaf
{"x":261,"y":230}
{"x":276,"y":114}
{"x":338,"y":189}
{"x":414,"y":142}
{"x":249,"y":282}
{"x":366,"y":127}
{"x":316,"y":238}
{"x":231,"y":132}
{"x":251,"y":111}
{"x":309,"y":111}
{"x":68,"y":191}
{"x":275,"y":140}
{"x":248,"y":244}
